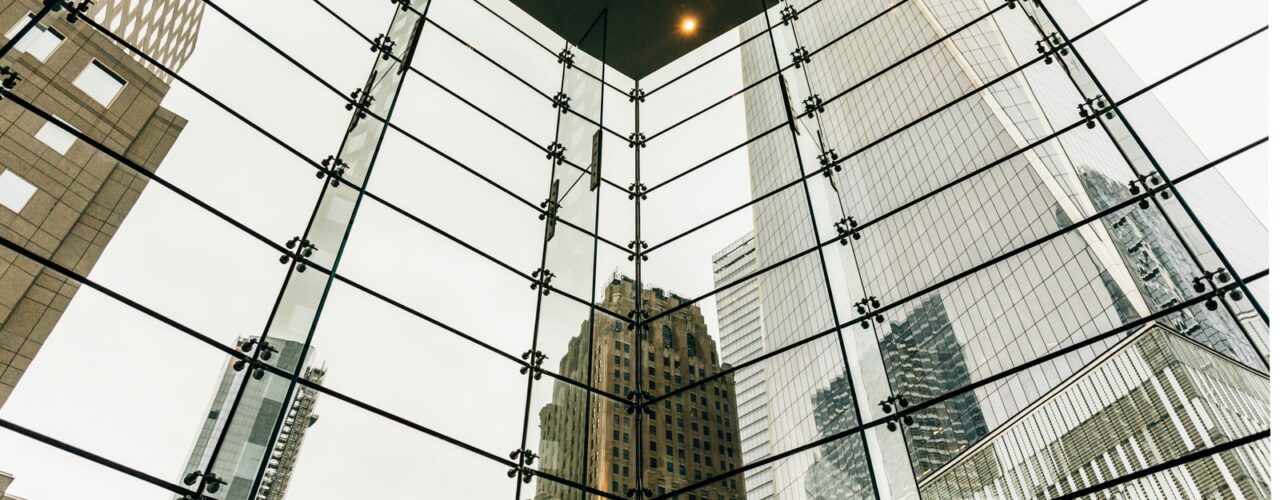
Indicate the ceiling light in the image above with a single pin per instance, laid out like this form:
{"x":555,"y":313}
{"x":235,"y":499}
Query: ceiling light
{"x":688,"y":25}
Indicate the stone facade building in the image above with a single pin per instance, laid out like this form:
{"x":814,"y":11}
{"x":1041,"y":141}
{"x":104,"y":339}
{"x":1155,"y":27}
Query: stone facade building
{"x":689,"y":436}
{"x":59,"y":196}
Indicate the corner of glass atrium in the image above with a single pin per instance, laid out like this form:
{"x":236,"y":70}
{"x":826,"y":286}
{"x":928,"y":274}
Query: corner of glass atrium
{"x":810,"y":249}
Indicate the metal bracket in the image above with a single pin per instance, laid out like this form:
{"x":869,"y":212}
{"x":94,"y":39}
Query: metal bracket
{"x":556,"y":151}
{"x":383,"y":44}
{"x":301,"y":250}
{"x":560,"y":101}
{"x":334,"y":168}
{"x":360,"y":99}
{"x":813,"y":104}
{"x":637,"y":189}
{"x":1207,"y":281}
{"x":870,"y":307}
{"x":1049,"y":44}
{"x":789,"y":13}
{"x":1145,"y":185}
{"x":542,"y":280}
{"x":76,"y":11}
{"x":211,"y":482}
{"x":847,"y":228}
{"x":638,"y":403}
{"x":800,"y":56}
{"x":637,"y":139}
{"x":535,"y":359}
{"x":565,"y":57}
{"x":830,"y":162}
{"x":636,"y":94}
{"x":10,"y":78}
{"x":1093,"y":108}
{"x":637,"y":247}
{"x":892,"y":404}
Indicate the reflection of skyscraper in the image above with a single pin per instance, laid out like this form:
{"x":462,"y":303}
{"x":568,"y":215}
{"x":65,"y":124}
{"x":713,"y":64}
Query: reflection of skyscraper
{"x":924,"y":359}
{"x":1053,"y":294}
{"x":1160,"y":270}
{"x":839,"y":472}
{"x":1153,"y":397}
{"x":741,"y":339}
{"x":690,"y":437}
{"x":58,"y":197}
{"x":247,"y":437}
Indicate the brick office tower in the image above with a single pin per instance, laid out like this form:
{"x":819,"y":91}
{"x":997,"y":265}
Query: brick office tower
{"x":689,"y":437}
{"x":60,"y":197}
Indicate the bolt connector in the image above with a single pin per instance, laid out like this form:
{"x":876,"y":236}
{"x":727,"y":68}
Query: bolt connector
{"x":869,"y":307}
{"x":301,"y":251}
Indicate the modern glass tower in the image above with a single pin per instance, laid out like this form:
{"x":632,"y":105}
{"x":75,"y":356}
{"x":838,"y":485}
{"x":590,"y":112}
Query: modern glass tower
{"x":956,"y":115}
{"x":247,"y":440}
{"x":738,"y":313}
{"x":1148,"y":398}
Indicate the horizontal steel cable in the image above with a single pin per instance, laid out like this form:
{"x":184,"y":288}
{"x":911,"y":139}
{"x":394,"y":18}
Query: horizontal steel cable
{"x":968,"y":272}
{"x":911,"y":409}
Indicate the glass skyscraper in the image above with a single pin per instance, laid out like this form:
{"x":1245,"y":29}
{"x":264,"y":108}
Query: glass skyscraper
{"x":741,"y":335}
{"x":959,"y":103}
{"x":245,"y":440}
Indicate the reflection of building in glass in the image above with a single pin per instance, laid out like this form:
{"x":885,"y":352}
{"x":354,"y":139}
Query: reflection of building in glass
{"x":840,"y":471}
{"x":1161,"y":270}
{"x":58,"y":197}
{"x":924,"y":360}
{"x":250,"y":430}
{"x":741,"y":339}
{"x":1152,"y":398}
{"x":690,"y":437}
{"x":1054,"y":294}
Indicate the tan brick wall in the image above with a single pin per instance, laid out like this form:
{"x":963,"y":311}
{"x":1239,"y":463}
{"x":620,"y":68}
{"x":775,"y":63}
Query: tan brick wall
{"x":82,"y":197}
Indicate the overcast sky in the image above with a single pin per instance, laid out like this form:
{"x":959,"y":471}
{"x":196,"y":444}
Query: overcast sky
{"x":113,"y":381}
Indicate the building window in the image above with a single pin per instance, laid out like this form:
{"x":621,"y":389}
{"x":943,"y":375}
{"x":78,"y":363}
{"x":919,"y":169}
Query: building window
{"x":57,"y":138}
{"x":617,"y":325}
{"x":15,"y":191}
{"x":692,"y":343}
{"x":666,"y":337}
{"x":40,"y":42}
{"x":100,"y":83}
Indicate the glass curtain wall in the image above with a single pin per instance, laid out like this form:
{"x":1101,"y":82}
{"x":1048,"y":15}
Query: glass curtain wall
{"x":892,"y":249}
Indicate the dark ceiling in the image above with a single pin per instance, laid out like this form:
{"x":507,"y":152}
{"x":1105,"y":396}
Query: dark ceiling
{"x":644,"y":35}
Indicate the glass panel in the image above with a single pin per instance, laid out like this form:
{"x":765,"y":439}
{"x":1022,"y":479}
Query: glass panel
{"x":115,"y":374}
{"x":385,"y":458}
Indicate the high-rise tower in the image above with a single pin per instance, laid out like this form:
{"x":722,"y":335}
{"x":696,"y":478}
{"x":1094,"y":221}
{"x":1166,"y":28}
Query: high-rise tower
{"x":60,"y":197}
{"x":738,"y":315}
{"x":249,"y":431}
{"x":689,"y":437}
{"x":913,"y":128}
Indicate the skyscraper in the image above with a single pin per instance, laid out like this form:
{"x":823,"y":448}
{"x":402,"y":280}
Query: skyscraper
{"x":689,"y":437}
{"x":59,"y":197}
{"x":923,"y":357}
{"x":915,"y":127}
{"x":838,"y":471}
{"x":741,"y":338}
{"x":1153,"y":396}
{"x":249,"y":431}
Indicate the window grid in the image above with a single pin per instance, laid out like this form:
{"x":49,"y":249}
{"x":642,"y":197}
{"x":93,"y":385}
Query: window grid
{"x":638,"y":323}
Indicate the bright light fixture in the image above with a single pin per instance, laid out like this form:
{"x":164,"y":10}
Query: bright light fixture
{"x":688,"y":25}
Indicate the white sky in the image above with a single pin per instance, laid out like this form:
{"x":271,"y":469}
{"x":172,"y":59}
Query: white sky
{"x":116,"y":382}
